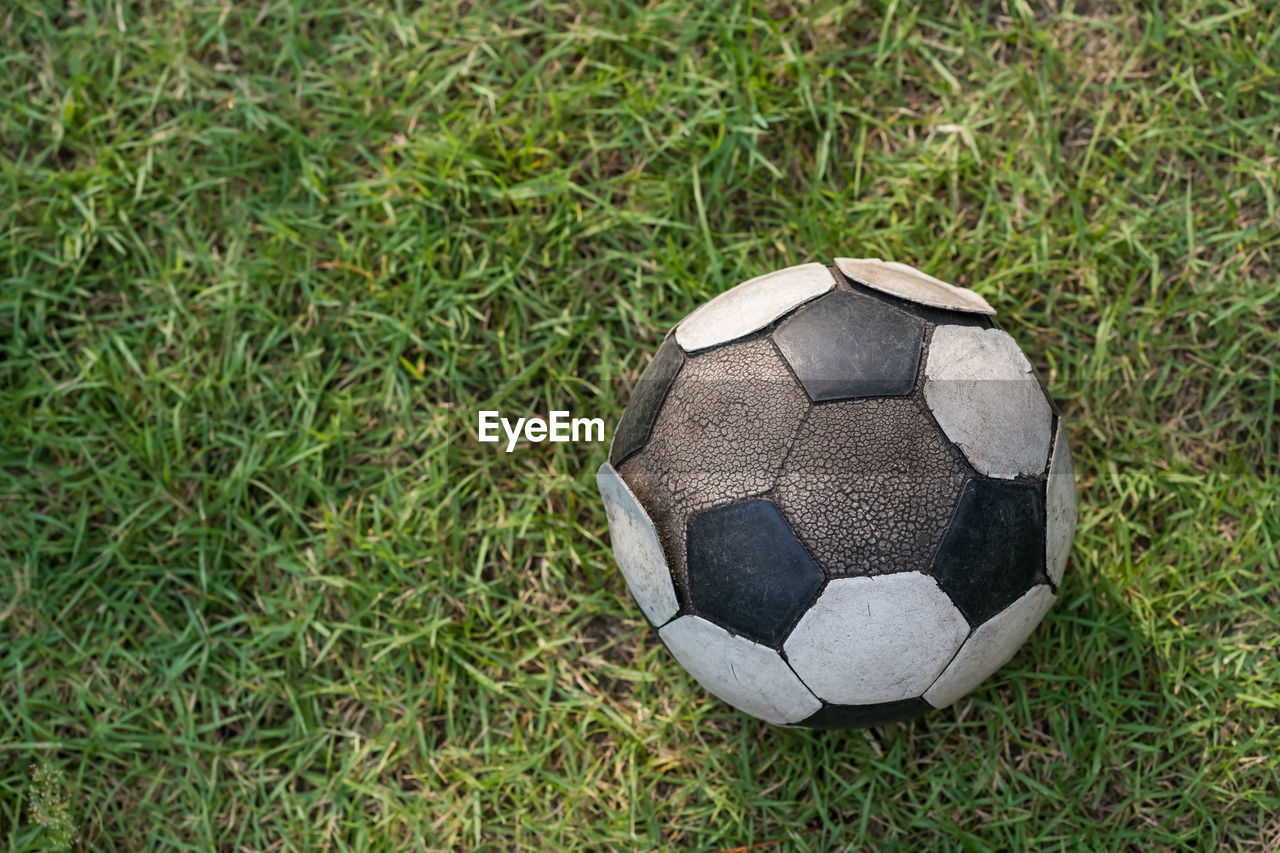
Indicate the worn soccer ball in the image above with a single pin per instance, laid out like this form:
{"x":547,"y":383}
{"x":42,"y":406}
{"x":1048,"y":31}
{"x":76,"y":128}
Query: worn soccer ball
{"x":840,"y":494}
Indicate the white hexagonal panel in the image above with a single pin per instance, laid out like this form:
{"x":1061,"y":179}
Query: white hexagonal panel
{"x":990,"y":646}
{"x":983,"y":393}
{"x":637,"y":548}
{"x":1060,"y":506}
{"x":909,"y":283}
{"x":752,"y":305}
{"x":876,"y":639}
{"x":750,"y":677}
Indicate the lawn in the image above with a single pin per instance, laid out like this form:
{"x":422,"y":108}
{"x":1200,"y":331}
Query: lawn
{"x":262,"y":264}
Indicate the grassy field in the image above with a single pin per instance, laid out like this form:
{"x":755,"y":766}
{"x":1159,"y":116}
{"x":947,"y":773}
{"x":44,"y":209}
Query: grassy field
{"x":261,"y":264}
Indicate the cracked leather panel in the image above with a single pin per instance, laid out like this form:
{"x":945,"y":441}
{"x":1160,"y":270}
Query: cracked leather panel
{"x":870,"y":486}
{"x":721,"y":437}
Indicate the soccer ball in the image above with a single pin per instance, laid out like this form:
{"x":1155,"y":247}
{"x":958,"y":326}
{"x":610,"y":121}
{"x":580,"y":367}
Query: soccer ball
{"x":840,"y":494}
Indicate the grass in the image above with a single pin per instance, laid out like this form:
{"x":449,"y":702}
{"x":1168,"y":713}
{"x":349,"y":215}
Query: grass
{"x":261,"y":265}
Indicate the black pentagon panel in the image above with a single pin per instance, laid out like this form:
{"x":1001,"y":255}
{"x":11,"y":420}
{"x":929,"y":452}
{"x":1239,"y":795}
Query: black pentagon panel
{"x":847,"y":345}
{"x":870,"y":486}
{"x":866,"y":716}
{"x":646,"y":401}
{"x":993,"y":550}
{"x":720,"y":437}
{"x":748,"y":572}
